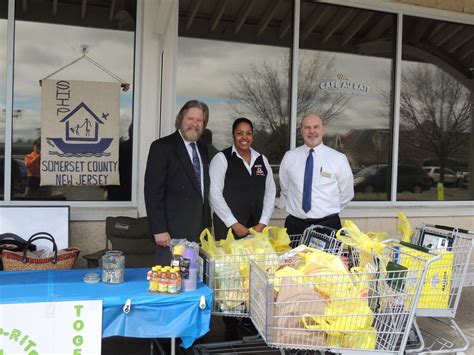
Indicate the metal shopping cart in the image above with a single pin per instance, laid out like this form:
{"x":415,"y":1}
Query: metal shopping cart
{"x":435,"y":323}
{"x":368,"y":311}
{"x":228,"y":276}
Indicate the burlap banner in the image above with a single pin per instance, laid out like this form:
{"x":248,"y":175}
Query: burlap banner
{"x":79,"y":133}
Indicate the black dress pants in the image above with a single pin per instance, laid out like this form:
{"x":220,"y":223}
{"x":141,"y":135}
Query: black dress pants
{"x":296,"y":226}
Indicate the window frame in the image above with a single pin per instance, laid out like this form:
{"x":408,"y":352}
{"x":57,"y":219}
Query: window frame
{"x":84,"y":210}
{"x":399,"y":10}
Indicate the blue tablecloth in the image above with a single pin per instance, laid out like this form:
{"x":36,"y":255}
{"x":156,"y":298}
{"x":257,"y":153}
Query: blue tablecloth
{"x":151,"y":315}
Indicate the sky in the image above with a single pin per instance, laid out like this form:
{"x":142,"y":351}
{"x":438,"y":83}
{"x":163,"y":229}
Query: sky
{"x":41,"y":49}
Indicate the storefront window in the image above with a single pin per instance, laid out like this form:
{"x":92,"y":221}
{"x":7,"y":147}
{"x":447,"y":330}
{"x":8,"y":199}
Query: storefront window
{"x":345,"y":75}
{"x":436,"y":111}
{"x":3,"y":75}
{"x":235,"y":57}
{"x":48,"y":39}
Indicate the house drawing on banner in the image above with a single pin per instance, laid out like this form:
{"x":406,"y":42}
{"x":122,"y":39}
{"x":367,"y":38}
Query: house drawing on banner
{"x":81,"y":133}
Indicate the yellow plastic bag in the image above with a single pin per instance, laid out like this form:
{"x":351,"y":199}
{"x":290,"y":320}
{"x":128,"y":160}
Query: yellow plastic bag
{"x":341,"y":316}
{"x":437,"y":286}
{"x":377,"y":236}
{"x":288,"y":273}
{"x":365,"y":246}
{"x":362,"y":339}
{"x":358,"y":239}
{"x":329,"y":275}
{"x":252,"y":244}
{"x":403,"y":226}
{"x":278,"y":237}
{"x":208,"y":243}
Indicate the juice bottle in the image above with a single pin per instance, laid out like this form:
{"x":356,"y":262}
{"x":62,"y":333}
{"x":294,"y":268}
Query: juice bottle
{"x":173,"y":282}
{"x":163,"y":284}
{"x":154,"y":280}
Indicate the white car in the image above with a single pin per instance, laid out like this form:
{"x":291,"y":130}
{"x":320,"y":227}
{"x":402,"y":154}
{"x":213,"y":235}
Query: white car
{"x":450,"y":176}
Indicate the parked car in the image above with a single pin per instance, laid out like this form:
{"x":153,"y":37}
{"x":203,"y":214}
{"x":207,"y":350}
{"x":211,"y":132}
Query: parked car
{"x":463,"y":178}
{"x":375,"y":178}
{"x":450,"y":176}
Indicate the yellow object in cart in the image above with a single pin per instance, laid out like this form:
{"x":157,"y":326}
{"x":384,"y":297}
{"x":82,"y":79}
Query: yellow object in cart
{"x":366,"y":247}
{"x":403,"y":226}
{"x":288,"y":273}
{"x":437,"y":285}
{"x":278,"y":237}
{"x":208,"y":243}
{"x":345,"y":315}
{"x":362,"y":339}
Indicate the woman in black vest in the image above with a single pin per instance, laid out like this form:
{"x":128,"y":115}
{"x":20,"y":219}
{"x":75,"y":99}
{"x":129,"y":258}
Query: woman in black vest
{"x":242,"y":195}
{"x":242,"y":192}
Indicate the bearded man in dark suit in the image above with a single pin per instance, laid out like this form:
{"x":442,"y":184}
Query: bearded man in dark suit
{"x":177,"y":182}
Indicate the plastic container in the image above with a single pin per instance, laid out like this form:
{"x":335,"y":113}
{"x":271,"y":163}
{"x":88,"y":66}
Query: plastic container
{"x":189,"y":283}
{"x":191,"y":254}
{"x":113,"y":267}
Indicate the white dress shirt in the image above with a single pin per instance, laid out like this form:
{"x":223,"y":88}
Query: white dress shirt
{"x":333,"y":182}
{"x":217,"y":171}
{"x":187,"y":144}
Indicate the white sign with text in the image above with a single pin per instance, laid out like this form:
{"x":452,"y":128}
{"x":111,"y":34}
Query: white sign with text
{"x":72,"y":327}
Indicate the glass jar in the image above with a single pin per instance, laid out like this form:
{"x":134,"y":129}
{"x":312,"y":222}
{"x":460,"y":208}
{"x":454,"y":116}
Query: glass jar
{"x":113,"y":267}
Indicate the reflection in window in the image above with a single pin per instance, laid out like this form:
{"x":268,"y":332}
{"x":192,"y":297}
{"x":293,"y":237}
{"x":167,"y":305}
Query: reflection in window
{"x":436,"y":107}
{"x":46,"y":42}
{"x":3,"y":75}
{"x":239,"y":65}
{"x":345,"y":72}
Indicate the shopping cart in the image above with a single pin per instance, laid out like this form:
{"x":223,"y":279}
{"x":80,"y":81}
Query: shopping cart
{"x":248,"y":345}
{"x":231,"y":290}
{"x":370,"y":311}
{"x":439,"y":332}
{"x":228,"y":275}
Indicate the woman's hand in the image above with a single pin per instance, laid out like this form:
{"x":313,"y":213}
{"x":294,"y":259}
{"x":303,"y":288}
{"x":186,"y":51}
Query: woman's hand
{"x":240,"y":230}
{"x":259,"y":227}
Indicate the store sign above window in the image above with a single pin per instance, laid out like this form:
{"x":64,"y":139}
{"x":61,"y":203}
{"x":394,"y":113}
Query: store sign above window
{"x":344,"y":85}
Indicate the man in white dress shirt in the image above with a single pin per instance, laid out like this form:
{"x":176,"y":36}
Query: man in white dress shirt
{"x":329,"y":186}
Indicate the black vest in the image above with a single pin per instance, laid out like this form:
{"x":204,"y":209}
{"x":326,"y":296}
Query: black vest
{"x":244,"y":193}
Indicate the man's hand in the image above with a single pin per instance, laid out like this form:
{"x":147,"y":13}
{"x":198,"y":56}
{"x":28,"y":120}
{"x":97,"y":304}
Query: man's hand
{"x":240,"y":229}
{"x":259,"y":227}
{"x":162,"y":239}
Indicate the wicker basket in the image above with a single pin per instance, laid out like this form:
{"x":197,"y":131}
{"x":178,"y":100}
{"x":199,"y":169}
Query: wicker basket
{"x":62,"y":259}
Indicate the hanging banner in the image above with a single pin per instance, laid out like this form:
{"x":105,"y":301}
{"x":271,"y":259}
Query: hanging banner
{"x":79,"y":133}
{"x":72,"y":327}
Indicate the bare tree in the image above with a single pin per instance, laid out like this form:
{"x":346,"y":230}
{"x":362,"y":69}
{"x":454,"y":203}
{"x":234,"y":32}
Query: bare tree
{"x":263,"y":93}
{"x":436,"y":109}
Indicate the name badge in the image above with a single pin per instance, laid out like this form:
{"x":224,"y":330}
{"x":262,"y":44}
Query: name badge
{"x":326,"y":175}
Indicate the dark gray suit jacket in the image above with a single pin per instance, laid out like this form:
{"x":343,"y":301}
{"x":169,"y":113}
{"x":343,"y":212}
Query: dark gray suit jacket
{"x":173,"y":197}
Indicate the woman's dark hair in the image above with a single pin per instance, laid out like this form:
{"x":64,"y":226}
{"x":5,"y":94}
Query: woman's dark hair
{"x":239,"y":121}
{"x":192,"y":104}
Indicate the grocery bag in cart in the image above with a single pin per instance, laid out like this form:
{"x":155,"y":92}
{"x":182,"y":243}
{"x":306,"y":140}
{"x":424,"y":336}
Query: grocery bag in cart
{"x":350,"y":303}
{"x":226,"y":266}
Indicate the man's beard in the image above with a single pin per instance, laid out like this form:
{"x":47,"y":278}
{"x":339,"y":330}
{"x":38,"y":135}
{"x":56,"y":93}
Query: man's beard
{"x":191,"y":135}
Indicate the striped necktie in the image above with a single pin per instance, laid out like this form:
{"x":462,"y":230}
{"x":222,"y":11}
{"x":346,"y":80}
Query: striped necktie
{"x":196,"y":164}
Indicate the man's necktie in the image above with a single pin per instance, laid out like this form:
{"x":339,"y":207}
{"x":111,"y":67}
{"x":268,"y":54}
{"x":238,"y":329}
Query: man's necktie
{"x":196,"y":165}
{"x":308,"y":182}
